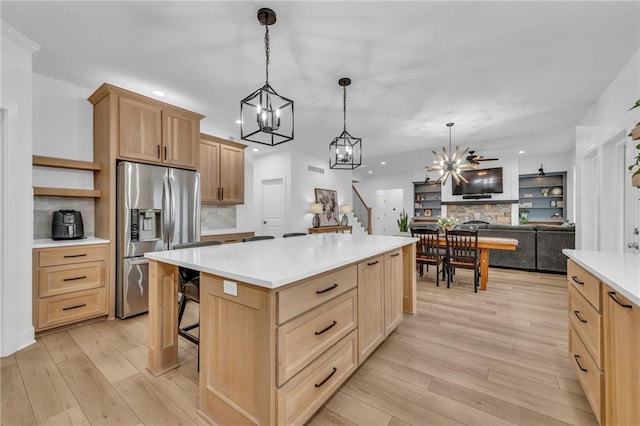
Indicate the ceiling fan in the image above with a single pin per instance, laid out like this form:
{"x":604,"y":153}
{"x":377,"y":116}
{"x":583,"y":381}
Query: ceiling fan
{"x":473,"y":158}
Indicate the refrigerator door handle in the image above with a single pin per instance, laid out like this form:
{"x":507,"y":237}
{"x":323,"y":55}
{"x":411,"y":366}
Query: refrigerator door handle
{"x":166,"y":214}
{"x":196,"y":208}
{"x":172,"y":208}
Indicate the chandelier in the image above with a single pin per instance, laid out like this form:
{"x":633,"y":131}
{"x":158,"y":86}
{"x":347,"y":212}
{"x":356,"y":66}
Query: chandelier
{"x":345,"y":151}
{"x":449,"y":163}
{"x":265,"y":116}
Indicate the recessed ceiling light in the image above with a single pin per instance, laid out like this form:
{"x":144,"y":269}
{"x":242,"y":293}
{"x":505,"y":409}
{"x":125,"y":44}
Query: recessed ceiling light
{"x":383,"y":162}
{"x":370,"y":171}
{"x":256,"y":149}
{"x":239,"y":121}
{"x":521,"y":152}
{"x":159,"y":93}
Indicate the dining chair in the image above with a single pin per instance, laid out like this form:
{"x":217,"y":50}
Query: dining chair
{"x":428,"y":251}
{"x":462,"y":252}
{"x":294,"y":234}
{"x":258,"y":238}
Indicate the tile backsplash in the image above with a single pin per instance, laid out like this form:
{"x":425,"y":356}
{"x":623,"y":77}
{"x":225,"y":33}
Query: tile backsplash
{"x":44,"y":206}
{"x":217,"y":217}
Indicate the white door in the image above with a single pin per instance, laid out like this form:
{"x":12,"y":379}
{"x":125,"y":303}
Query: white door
{"x":387,"y":209}
{"x":273,"y":207}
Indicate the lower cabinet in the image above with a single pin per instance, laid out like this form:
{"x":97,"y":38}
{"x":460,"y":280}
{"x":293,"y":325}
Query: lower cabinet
{"x":291,"y":348}
{"x":228,"y":238}
{"x":69,"y":284}
{"x":622,"y":359}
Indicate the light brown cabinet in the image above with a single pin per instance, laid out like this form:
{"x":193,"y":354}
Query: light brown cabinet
{"x":221,"y":170}
{"x":69,"y":284}
{"x":622,"y":346}
{"x":228,"y":238}
{"x":392,"y":290}
{"x":148,"y":131}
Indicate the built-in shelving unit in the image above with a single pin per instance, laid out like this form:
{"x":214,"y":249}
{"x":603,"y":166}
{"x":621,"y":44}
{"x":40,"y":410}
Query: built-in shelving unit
{"x":427,"y":199}
{"x":63,"y":163}
{"x":544,"y":197}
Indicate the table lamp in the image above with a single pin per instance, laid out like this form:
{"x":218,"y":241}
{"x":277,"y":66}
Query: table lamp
{"x":316,"y":209}
{"x":344,"y":209}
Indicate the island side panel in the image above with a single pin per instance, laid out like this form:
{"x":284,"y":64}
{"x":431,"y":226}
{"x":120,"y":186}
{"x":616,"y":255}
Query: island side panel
{"x":237,"y":353}
{"x":409,"y":283}
{"x":163,"y":317}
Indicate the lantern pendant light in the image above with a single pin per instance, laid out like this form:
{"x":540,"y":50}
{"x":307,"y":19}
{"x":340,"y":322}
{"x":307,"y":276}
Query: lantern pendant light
{"x":345,"y":151}
{"x":449,"y":163}
{"x":265,"y":116}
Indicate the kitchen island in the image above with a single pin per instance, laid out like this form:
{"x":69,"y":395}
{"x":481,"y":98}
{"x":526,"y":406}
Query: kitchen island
{"x":283,"y":322}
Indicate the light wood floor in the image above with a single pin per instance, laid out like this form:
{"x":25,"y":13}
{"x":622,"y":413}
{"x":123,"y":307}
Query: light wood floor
{"x":493,"y":358}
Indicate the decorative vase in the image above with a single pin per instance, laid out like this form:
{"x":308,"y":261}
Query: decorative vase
{"x":635,"y":180}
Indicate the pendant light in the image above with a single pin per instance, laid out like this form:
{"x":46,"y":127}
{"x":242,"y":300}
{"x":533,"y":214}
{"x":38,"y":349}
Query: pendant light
{"x":265,"y":116}
{"x":345,"y":151}
{"x":449,"y":163}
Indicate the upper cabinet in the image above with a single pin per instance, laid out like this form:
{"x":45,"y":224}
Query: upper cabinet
{"x":147,"y":130}
{"x":221,"y":171}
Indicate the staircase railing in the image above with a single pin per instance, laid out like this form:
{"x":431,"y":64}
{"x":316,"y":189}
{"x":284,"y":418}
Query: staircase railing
{"x":361,"y":211}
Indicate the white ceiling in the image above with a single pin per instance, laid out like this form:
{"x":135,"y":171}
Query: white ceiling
{"x":512,"y":75}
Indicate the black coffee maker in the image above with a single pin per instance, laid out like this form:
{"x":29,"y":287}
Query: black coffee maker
{"x":67,"y":225}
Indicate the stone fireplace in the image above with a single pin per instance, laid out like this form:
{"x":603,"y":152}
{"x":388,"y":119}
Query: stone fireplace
{"x":492,"y":213}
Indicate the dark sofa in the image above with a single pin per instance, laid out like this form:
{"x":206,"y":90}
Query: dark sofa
{"x":539,"y":247}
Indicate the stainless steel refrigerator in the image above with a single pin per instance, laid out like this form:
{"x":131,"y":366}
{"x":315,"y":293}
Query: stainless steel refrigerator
{"x":157,"y":208}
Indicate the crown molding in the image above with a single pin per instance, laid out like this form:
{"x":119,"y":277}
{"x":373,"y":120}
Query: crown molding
{"x":15,"y":35}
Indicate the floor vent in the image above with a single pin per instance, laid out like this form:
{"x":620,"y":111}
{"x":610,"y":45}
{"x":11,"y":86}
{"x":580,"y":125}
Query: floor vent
{"x":316,"y":169}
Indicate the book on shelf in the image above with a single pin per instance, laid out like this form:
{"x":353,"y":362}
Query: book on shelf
{"x":527,"y":195}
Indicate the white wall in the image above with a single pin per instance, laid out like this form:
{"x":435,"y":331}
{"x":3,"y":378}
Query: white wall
{"x":607,"y":118}
{"x":16,"y":222}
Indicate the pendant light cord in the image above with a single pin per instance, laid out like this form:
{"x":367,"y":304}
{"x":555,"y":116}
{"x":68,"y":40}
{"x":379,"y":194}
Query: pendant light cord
{"x":344,"y":107}
{"x":266,"y":51}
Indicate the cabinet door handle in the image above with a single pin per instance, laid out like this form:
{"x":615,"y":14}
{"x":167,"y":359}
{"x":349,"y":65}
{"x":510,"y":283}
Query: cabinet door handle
{"x":66,"y":256}
{"x":577,"y":314}
{"x":165,"y":152}
{"x":222,"y":193}
{"x":395,"y":255}
{"x":75,"y":278}
{"x":373,"y":263}
{"x":327,"y":328}
{"x":327,"y":378}
{"x":612,"y":294}
{"x":577,"y":357}
{"x":158,"y":151}
{"x":74,"y":307}
{"x":576,"y":280}
{"x":327,"y":289}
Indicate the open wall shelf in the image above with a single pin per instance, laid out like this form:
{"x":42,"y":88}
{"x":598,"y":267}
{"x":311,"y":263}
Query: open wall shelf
{"x":544,"y":197}
{"x":427,"y":201}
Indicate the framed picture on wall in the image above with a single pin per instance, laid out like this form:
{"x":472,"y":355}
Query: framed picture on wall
{"x":427,"y":213}
{"x":329,"y":200}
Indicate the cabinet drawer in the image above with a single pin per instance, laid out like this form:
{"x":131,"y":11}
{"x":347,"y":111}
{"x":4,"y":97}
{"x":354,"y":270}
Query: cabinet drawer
{"x":67,"y":308}
{"x":300,"y":298}
{"x":300,"y":341}
{"x":589,"y":374}
{"x":69,"y":255}
{"x":587,"y":323}
{"x":227,"y":238}
{"x":305,"y":393}
{"x":585,"y":283}
{"x":67,"y":278}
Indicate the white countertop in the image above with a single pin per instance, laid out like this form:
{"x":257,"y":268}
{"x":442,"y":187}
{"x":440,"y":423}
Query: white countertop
{"x":281,"y":261}
{"x":49,"y":243}
{"x":621,"y":271}
{"x":225,"y":231}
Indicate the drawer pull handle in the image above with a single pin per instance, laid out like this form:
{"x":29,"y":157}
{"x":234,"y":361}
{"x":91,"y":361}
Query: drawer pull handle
{"x":74,"y":307}
{"x":373,"y":263}
{"x":327,"y":378}
{"x":230,"y":241}
{"x":576,"y":280}
{"x":66,"y":256}
{"x":395,"y":255}
{"x":327,"y":328}
{"x":612,"y":294}
{"x":577,"y":314}
{"x":327,"y":289}
{"x":75,"y":278}
{"x":577,"y":357}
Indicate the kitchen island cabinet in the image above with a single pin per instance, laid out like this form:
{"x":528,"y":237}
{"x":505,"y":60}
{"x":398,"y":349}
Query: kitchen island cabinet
{"x":290,"y":307}
{"x":604,"y":337}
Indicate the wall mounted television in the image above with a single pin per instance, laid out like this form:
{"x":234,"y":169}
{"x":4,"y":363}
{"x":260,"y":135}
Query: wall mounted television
{"x":481,"y":181}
